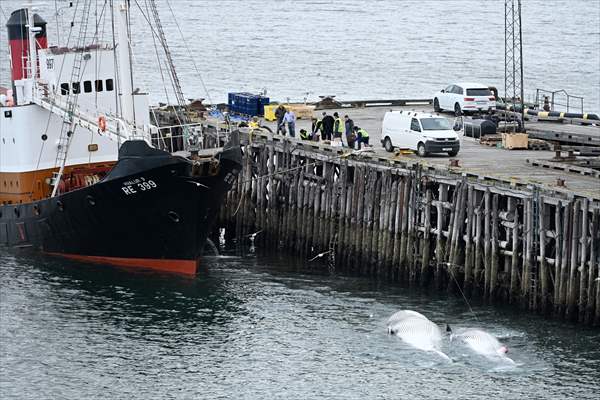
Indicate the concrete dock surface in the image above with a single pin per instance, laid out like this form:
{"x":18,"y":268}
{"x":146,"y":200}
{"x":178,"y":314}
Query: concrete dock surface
{"x":474,"y":158}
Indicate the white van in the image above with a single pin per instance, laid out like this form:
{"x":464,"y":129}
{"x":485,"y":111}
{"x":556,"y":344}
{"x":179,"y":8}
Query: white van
{"x":425,"y":133}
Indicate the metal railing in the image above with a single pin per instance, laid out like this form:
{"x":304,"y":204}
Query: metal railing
{"x":558,"y":100}
{"x":172,"y":138}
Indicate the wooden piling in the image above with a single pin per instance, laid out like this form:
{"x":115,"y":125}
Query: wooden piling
{"x":404,"y":230}
{"x":583,"y":272}
{"x":469,"y":255}
{"x":595,"y":257}
{"x":564,"y":263}
{"x":425,"y":243}
{"x":487,"y":246}
{"x":514,"y":262}
{"x":532,"y":246}
{"x":494,"y":248}
{"x":439,"y":245}
{"x":593,"y":301}
{"x":572,"y":287}
{"x":544,"y":286}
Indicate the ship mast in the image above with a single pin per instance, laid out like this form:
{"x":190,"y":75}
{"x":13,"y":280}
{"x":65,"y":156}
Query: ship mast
{"x":32,"y":54}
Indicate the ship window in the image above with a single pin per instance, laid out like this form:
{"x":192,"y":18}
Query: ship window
{"x":64,"y":88}
{"x":87,"y":86}
{"x":76,"y":86}
{"x":98,"y":85}
{"x":109,"y":85}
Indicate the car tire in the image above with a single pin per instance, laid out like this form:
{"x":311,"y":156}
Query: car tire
{"x":457,"y":110}
{"x":436,"y":105}
{"x":421,"y":152}
{"x":453,"y":153}
{"x":387,"y":143}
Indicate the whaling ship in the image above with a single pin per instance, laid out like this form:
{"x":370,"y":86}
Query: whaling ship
{"x":79,"y":175}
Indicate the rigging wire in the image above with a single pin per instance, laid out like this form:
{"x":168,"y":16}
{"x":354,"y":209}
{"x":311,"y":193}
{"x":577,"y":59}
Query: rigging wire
{"x":158,"y":61}
{"x":164,"y":46}
{"x":189,"y":51}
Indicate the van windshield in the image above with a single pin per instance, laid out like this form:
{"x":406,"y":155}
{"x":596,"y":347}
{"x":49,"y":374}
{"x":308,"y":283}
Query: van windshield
{"x":435,"y":124}
{"x":479,"y":92}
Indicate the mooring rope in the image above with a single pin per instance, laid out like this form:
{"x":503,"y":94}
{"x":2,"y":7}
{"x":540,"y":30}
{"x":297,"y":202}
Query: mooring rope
{"x":461,"y":292}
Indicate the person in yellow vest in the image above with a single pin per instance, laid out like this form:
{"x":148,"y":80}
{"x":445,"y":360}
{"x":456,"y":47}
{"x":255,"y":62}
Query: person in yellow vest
{"x":304,"y":135}
{"x":338,"y":126}
{"x":362,"y":136}
{"x":254,"y":123}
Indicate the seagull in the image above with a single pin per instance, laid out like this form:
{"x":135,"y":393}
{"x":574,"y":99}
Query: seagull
{"x":198,"y":184}
{"x":319,"y":255}
{"x":253,"y":235}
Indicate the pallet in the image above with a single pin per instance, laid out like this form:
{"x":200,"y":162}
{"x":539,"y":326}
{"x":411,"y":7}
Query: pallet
{"x":566,"y":167}
{"x":490,"y":140}
{"x":538,"y":144}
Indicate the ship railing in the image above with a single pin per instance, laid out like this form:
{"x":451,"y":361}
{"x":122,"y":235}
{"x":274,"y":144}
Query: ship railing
{"x":174,"y":138}
{"x":116,"y":129}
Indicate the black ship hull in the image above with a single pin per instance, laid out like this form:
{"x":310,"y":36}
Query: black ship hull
{"x":152,"y":210}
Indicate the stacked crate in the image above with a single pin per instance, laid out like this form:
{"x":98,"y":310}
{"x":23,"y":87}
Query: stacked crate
{"x":247,"y":104}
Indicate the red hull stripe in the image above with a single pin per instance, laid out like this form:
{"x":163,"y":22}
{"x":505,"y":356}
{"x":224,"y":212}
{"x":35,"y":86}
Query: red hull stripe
{"x":187,"y":267}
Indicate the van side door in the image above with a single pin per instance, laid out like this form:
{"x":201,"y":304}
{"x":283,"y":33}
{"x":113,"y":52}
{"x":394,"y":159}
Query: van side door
{"x":394,"y":129}
{"x":415,"y":133}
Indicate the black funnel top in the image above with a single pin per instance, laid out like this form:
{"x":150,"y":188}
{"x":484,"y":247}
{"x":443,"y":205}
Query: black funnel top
{"x":17,"y":22}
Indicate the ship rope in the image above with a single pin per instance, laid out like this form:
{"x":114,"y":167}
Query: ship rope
{"x":163,"y":43}
{"x":3,"y":14}
{"x":160,"y":68}
{"x":189,"y":51}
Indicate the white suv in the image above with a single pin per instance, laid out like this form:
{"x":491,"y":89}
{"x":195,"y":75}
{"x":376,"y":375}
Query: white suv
{"x":464,"y":97}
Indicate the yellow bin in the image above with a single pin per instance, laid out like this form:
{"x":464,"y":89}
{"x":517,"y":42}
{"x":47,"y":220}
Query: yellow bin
{"x":270,"y":112}
{"x":302,"y":111}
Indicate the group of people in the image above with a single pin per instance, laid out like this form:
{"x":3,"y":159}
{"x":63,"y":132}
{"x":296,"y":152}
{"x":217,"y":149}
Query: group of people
{"x":329,"y":127}
{"x":285,"y":118}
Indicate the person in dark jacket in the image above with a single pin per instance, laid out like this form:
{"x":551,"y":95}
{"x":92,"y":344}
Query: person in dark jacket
{"x":279,"y":114}
{"x":327,"y":123}
{"x":316,"y":128}
{"x":350,"y":136}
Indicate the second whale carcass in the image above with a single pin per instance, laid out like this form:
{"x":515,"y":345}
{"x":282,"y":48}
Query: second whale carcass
{"x":481,"y":342}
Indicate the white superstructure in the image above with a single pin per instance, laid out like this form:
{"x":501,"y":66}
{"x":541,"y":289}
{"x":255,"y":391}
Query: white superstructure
{"x":89,"y":86}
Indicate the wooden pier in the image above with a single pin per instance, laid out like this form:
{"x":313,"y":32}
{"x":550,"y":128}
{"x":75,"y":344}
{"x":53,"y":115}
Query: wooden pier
{"x":491,"y":226}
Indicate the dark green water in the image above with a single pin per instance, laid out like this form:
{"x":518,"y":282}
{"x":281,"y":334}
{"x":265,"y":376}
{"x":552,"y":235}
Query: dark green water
{"x":260,"y":328}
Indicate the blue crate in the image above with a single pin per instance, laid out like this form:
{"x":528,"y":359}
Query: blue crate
{"x":247,"y":103}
